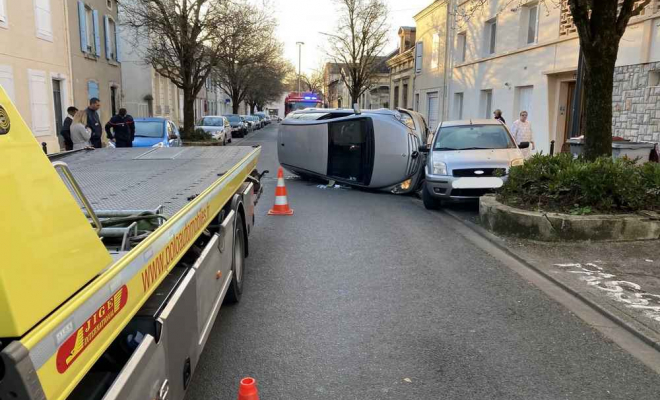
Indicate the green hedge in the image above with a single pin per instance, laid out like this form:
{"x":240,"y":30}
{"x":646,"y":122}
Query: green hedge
{"x":567,"y":185}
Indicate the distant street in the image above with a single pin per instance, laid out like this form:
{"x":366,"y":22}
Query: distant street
{"x":369,"y":296}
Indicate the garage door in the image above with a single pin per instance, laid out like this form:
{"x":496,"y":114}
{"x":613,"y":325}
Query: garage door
{"x":433,"y":110}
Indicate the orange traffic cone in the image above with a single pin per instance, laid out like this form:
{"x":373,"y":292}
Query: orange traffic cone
{"x":281,"y":206}
{"x":248,"y":389}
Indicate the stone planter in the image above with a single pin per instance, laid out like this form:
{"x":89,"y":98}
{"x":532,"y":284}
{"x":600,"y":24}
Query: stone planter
{"x":551,"y":227}
{"x":632,"y":150}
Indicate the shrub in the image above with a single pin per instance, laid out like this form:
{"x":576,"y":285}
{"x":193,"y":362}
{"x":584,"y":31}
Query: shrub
{"x":198,"y":135}
{"x":578,"y":186}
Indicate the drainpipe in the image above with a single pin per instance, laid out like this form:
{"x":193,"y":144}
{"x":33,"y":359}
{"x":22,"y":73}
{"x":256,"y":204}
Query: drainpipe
{"x":71,"y":99}
{"x":452,"y":9}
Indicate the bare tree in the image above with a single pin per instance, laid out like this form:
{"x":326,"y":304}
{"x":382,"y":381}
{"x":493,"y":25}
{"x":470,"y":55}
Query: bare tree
{"x":247,"y":45}
{"x":360,"y":38}
{"x":178,"y":39}
{"x":600,"y":25}
{"x":313,"y":81}
{"x":268,"y":83}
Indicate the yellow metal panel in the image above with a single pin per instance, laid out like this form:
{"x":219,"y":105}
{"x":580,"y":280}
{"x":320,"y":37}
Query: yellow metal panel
{"x":49,"y":250}
{"x":63,"y":353}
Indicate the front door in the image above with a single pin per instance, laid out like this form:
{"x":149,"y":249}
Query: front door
{"x":57,"y":103}
{"x":349,"y":156}
{"x":113,"y":99}
{"x":433,"y":110}
{"x":569,"y":111}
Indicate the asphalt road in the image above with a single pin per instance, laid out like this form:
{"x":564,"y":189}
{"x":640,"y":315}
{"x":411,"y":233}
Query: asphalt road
{"x":369,"y":296}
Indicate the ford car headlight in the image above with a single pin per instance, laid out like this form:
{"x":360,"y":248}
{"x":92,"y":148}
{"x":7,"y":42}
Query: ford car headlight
{"x":518,"y":162}
{"x":439,"y":168}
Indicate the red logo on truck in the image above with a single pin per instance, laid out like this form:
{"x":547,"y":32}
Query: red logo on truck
{"x":73,"y":347}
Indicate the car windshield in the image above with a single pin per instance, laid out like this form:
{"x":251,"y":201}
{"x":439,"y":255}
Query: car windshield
{"x":233,"y":118}
{"x":149,"y":129}
{"x":473,"y":137}
{"x":211,"y":121}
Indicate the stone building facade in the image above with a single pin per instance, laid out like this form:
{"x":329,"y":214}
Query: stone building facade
{"x":636,"y":102}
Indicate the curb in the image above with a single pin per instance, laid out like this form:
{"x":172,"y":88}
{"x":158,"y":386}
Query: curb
{"x":497,"y":242}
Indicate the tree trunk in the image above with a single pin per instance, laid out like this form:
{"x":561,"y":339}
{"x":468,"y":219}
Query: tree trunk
{"x":188,"y":112}
{"x":355,"y":97}
{"x":252,"y":106}
{"x":235,"y":104}
{"x":598,"y":89}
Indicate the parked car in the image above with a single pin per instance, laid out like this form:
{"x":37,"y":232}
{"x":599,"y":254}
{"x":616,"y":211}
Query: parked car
{"x":256,"y":121}
{"x":238,"y":128}
{"x":248,"y":123}
{"x":469,"y":159}
{"x":156,"y":132}
{"x":218,"y":126}
{"x":263,"y":117}
{"x":373,"y":149}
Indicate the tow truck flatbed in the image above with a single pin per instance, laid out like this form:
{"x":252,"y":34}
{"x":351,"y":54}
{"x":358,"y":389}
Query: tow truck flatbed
{"x":65,"y":303}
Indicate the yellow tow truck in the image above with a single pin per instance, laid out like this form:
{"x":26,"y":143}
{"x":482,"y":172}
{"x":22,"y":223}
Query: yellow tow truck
{"x":115,"y":263}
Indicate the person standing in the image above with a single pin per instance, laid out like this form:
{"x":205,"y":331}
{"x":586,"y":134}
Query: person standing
{"x":498,"y":116}
{"x":65,"y":133}
{"x":124,"y":129}
{"x":522,"y":132}
{"x":80,"y":131}
{"x":94,"y":122}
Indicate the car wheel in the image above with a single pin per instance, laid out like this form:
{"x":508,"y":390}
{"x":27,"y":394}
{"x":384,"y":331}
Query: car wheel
{"x":430,"y":202}
{"x":238,"y":264}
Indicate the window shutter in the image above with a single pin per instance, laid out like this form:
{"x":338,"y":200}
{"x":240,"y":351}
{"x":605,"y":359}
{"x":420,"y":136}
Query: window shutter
{"x":106,"y":32}
{"x":82,"y":25}
{"x":92,"y":90}
{"x":7,"y":80}
{"x":419,"y":52}
{"x":3,"y":12}
{"x":97,"y":34}
{"x":117,"y":37}
{"x":43,"y":19}
{"x":39,"y":103}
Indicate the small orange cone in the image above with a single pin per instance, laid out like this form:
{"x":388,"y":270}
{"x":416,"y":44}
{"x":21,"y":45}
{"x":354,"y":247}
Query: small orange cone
{"x":248,"y":389}
{"x":281,"y":206}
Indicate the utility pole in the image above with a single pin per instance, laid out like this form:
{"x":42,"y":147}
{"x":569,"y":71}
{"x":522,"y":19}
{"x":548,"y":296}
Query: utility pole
{"x":300,"y":45}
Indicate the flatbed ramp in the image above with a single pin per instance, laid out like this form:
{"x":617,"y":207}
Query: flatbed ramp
{"x":193,"y":184}
{"x":139,"y":178}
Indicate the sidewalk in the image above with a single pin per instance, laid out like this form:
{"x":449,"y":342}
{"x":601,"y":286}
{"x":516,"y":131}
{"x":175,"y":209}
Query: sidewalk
{"x":623,"y":278}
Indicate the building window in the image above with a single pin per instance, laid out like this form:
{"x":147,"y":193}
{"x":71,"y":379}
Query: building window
{"x":3,"y":14}
{"x":524,"y":96}
{"x":109,"y":4}
{"x":490,"y":37}
{"x":532,"y":23}
{"x":486,"y":103}
{"x":458,"y":106}
{"x":419,"y":52}
{"x":435,"y":51}
{"x":433,"y":110}
{"x":110,"y":38}
{"x":43,"y":19}
{"x":93,"y":90}
{"x":88,"y":24}
{"x":7,"y":80}
{"x":417,"y":102}
{"x":461,"y":46}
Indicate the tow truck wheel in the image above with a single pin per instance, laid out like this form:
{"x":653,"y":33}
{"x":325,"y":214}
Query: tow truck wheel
{"x":238,"y":264}
{"x":430,"y":202}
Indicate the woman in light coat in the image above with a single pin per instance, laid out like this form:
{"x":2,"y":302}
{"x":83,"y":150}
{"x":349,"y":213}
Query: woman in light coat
{"x":80,"y":134}
{"x":522,"y":132}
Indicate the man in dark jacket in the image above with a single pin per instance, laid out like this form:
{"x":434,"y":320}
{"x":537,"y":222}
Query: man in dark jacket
{"x":94,"y":122}
{"x":124,"y":129}
{"x":65,"y":133}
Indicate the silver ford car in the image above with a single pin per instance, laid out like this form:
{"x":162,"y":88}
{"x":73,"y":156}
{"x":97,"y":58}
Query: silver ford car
{"x":375,"y":149}
{"x":469,"y":159}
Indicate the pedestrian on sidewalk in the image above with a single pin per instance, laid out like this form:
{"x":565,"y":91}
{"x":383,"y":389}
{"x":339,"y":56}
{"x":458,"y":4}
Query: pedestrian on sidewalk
{"x":522,"y":132}
{"x":80,"y":131}
{"x":498,"y":116}
{"x":124,"y":129}
{"x":94,"y":122}
{"x":64,"y":136}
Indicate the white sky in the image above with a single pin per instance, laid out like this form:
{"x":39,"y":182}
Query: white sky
{"x":302,"y":20}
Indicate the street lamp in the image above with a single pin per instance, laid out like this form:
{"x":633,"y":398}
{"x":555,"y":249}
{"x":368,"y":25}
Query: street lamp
{"x":300,"y":45}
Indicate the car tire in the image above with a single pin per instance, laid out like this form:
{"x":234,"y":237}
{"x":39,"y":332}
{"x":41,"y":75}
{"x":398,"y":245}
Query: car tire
{"x":238,"y":263}
{"x":430,"y":202}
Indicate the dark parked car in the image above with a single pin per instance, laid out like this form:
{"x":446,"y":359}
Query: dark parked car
{"x":238,"y":127}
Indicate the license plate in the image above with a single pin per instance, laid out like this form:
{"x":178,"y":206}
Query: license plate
{"x":478,"y":183}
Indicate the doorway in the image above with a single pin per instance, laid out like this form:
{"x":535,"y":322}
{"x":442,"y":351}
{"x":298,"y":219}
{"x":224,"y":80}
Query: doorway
{"x":57,"y":104}
{"x":349,"y":155}
{"x":570,"y":112}
{"x":113,"y":99}
{"x":433,"y":112}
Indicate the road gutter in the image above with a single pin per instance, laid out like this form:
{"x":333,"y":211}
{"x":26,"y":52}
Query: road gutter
{"x":638,"y":344}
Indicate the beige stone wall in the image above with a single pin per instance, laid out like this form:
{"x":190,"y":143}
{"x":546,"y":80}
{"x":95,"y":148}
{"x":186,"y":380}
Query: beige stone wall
{"x":29,"y":63}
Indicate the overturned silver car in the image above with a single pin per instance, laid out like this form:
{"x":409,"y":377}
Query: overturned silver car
{"x":374,"y":149}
